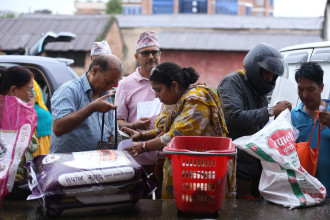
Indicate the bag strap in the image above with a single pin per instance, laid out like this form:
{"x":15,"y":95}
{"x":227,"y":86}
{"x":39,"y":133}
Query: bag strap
{"x":102,"y":127}
{"x":116,"y":128}
{"x":318,"y":142}
{"x":319,"y":134}
{"x":116,"y":135}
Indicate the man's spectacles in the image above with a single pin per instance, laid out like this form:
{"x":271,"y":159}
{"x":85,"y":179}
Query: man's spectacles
{"x":146,"y":53}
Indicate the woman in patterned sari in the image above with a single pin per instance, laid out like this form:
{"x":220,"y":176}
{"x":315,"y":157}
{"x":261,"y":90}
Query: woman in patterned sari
{"x":190,"y":110}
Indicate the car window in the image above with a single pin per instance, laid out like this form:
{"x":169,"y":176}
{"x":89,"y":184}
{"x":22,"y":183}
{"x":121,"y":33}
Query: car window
{"x":41,"y":79}
{"x":286,"y":86}
{"x":47,"y":81}
{"x":322,"y":57}
{"x":326,"y":80}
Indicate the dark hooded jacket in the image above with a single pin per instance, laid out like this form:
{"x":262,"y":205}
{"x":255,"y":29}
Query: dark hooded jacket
{"x":245,"y":114}
{"x":244,"y":102}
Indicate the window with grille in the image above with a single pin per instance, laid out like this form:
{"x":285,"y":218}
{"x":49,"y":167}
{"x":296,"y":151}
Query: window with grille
{"x":226,"y":7}
{"x":193,"y":6}
{"x":163,"y":6}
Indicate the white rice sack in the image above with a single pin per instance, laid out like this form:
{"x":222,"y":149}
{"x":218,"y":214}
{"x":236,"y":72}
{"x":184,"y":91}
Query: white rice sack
{"x":87,"y":172}
{"x":283,"y":180}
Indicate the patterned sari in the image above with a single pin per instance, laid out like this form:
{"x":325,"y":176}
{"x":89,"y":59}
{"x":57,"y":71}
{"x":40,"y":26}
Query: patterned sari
{"x":197,"y":113}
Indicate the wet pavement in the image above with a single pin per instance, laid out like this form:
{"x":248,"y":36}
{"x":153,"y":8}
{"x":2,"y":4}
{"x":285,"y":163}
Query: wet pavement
{"x":166,"y":209}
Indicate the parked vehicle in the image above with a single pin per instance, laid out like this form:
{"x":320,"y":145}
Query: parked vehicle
{"x":50,"y":73}
{"x":286,"y":86}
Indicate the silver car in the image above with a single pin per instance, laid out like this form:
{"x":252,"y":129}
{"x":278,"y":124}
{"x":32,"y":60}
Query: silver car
{"x":50,"y":73}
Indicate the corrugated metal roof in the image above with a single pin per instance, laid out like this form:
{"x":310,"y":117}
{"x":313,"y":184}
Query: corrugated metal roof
{"x":218,"y":22}
{"x":25,"y":31}
{"x":231,"y":40}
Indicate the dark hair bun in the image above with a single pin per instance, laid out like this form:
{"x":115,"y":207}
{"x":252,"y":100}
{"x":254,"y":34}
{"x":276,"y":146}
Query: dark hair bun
{"x":2,"y":69}
{"x":190,"y":74}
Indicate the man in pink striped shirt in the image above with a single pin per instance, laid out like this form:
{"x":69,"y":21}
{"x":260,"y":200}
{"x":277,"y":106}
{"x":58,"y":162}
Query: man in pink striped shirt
{"x":135,"y":89}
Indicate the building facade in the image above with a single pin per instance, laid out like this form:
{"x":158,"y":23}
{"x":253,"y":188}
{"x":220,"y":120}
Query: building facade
{"x":89,"y":7}
{"x":225,"y":7}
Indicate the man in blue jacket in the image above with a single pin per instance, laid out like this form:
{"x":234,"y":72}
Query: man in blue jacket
{"x":309,"y":78}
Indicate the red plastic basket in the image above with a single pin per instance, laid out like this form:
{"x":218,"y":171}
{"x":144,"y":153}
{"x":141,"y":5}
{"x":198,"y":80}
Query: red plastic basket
{"x":199,"y":166}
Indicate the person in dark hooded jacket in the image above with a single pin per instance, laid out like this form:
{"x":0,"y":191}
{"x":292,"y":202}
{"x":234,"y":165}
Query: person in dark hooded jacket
{"x":245,"y":106}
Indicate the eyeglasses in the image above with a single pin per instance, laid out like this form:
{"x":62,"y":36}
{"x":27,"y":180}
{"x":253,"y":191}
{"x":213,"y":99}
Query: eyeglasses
{"x":145,"y":53}
{"x":30,"y":89}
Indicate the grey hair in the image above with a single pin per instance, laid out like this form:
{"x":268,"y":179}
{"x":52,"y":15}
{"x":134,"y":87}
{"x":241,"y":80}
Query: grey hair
{"x":105,"y":62}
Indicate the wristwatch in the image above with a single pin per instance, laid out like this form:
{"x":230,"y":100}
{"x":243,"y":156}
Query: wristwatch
{"x":270,"y":111}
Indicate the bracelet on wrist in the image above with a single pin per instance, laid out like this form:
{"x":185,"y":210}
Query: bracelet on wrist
{"x":147,"y":147}
{"x":141,"y":134}
{"x":144,"y":146}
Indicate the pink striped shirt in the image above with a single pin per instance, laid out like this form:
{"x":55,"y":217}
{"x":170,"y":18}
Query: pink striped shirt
{"x":132,"y":90}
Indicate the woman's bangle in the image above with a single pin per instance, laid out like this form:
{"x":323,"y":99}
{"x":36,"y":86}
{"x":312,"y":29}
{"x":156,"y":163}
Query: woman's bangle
{"x":144,"y":146}
{"x":147,"y":147}
{"x":141,"y":135}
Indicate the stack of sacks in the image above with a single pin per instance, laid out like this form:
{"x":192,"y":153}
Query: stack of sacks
{"x":87,"y":182}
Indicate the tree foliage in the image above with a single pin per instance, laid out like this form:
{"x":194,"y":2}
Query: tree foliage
{"x":114,"y":7}
{"x":7,"y":15}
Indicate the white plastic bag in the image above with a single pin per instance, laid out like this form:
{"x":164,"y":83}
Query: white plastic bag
{"x":283,"y":180}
